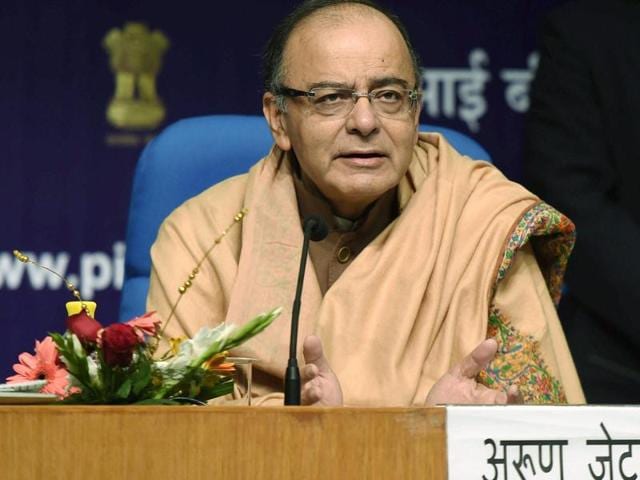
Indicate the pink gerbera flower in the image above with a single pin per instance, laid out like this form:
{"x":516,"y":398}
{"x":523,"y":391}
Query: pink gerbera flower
{"x":44,"y":365}
{"x":146,"y":324}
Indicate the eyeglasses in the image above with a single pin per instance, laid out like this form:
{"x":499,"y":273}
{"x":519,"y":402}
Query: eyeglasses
{"x":387,"y":102}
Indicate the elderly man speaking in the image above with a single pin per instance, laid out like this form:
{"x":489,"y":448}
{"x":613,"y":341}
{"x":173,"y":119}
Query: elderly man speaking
{"x":437,"y":281}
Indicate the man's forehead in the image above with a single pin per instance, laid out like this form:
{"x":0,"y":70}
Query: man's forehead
{"x":362,"y":41}
{"x":321,"y":24}
{"x":347,"y":13}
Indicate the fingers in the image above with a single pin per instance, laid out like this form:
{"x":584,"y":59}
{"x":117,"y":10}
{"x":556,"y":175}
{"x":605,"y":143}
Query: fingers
{"x":320,"y":386}
{"x":313,"y":353}
{"x":311,"y":393}
{"x":308,"y":372}
{"x":514,"y":397}
{"x":311,"y":388}
{"x":460,"y":385}
{"x":473,"y":363}
{"x":511,"y":397}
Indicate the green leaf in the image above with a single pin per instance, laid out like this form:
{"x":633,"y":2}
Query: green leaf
{"x":239,"y":335}
{"x":124,"y":390}
{"x":142,"y":376}
{"x":194,"y":389}
{"x":224,"y":387}
{"x":250,"y":329}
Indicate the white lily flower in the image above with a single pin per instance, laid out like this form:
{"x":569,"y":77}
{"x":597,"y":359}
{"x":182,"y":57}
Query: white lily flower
{"x":205,"y":337}
{"x":192,"y":348}
{"x":94,"y":370}
{"x":77,"y":346}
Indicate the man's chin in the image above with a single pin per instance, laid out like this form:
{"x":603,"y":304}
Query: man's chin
{"x":356,"y":199}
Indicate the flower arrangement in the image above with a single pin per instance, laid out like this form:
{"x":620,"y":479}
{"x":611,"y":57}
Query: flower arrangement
{"x":118,"y":364}
{"x":92,"y":364}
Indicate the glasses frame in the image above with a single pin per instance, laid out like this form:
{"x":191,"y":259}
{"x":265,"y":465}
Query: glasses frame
{"x":284,"y":91}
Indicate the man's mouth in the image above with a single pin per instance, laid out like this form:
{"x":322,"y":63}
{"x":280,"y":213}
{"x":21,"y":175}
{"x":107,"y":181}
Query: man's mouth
{"x":364,"y":159}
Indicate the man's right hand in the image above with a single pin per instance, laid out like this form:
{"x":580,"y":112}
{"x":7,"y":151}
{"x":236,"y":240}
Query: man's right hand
{"x":459,"y":384}
{"x":320,"y":386}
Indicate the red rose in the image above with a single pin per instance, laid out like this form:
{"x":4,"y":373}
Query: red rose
{"x":118,"y":342}
{"x":85,"y":327}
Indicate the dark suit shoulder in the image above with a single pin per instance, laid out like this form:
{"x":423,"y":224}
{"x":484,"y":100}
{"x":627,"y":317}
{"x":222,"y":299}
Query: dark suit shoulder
{"x":597,"y":22}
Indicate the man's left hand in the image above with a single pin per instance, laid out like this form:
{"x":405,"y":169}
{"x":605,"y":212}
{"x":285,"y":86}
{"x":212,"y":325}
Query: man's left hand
{"x":459,"y":384}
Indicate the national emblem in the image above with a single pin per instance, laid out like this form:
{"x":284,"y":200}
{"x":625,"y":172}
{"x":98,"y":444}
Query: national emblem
{"x":135,"y":59}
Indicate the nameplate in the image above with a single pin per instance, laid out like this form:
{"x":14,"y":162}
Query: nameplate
{"x":543,"y":442}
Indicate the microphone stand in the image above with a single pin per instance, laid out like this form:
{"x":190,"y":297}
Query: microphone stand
{"x":315,"y":229}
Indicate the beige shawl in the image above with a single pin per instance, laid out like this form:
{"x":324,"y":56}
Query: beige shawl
{"x":414,"y":302}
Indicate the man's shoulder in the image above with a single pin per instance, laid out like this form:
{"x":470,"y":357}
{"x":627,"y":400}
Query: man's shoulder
{"x":231,"y":190}
{"x":220,"y":201}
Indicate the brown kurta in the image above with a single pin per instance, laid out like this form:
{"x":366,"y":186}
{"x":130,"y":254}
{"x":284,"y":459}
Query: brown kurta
{"x":346,"y":238}
{"x":415,"y":300}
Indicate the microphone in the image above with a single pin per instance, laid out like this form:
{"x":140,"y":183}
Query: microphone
{"x":315,"y":229}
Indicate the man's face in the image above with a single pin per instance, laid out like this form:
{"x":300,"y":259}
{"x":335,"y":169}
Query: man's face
{"x":352,"y":160}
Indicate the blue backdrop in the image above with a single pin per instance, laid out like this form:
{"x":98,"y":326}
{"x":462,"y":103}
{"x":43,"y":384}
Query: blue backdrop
{"x":65,"y":169}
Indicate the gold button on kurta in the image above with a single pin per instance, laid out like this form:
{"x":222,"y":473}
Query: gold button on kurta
{"x":344,"y":254}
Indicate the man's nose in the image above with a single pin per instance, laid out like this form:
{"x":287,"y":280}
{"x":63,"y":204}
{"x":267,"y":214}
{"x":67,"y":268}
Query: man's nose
{"x":363,"y":119}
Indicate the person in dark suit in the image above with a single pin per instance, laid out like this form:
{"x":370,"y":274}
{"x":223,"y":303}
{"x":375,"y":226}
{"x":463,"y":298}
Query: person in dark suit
{"x":582,"y":156}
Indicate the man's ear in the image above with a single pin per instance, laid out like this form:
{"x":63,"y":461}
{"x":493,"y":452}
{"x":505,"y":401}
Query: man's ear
{"x":276,"y":120}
